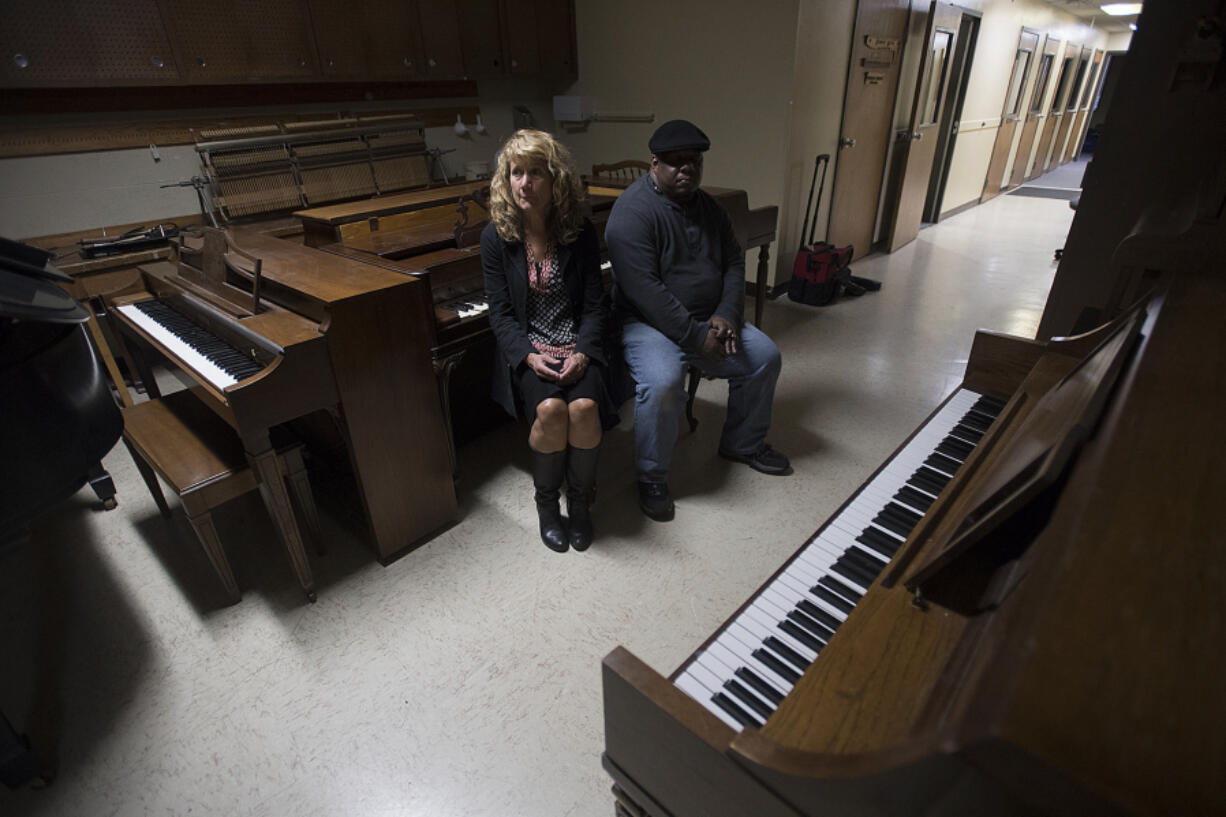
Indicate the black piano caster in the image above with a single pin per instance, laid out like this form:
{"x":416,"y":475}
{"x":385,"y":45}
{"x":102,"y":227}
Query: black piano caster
{"x":103,"y":485}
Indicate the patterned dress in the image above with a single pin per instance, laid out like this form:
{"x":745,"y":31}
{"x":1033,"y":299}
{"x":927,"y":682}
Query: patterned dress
{"x":551,"y":322}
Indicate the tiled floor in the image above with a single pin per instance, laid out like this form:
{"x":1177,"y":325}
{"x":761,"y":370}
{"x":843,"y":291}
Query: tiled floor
{"x":464,"y":679}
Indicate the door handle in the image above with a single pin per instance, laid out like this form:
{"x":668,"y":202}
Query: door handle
{"x":846,"y":142}
{"x":916,"y":136}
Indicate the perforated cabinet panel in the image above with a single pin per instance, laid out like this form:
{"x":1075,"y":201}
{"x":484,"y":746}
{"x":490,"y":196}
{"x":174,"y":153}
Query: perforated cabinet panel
{"x":69,"y":44}
{"x":222,"y":41}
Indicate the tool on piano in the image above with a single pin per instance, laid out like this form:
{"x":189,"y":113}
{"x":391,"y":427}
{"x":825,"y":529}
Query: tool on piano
{"x":1007,"y":618}
{"x":322,"y":334}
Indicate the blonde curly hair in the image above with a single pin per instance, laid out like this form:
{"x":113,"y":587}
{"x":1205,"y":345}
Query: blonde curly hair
{"x":565,"y":215}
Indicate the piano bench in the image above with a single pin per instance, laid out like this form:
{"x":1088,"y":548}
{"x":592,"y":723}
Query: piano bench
{"x":177,"y":438}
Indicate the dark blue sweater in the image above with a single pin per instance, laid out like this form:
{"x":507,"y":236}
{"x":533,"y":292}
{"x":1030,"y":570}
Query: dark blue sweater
{"x":674,"y":266}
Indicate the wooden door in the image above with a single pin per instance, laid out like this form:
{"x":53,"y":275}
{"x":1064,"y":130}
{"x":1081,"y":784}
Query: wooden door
{"x":1011,"y":112}
{"x":868,"y":106}
{"x":1070,"y":108}
{"x":1034,"y":112}
{"x":1054,"y":113}
{"x":1077,"y":131}
{"x":920,"y":144}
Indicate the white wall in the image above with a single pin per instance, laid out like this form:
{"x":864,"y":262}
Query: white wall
{"x":985,"y":94}
{"x":46,"y":195}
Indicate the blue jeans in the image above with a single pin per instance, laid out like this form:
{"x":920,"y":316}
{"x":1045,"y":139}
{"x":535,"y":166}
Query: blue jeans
{"x":658,"y":368}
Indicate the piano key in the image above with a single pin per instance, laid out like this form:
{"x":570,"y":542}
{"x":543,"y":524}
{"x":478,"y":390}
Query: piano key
{"x":728,"y":705}
{"x":190,"y":357}
{"x":780,"y":632}
{"x":748,"y":699}
{"x":687,"y":684}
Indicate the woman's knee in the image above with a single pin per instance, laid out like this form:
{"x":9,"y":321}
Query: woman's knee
{"x":583,"y":413}
{"x":552,"y":412}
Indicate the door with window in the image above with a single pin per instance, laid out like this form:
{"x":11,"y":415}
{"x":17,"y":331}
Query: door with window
{"x":1034,"y":112}
{"x":1011,"y":113}
{"x":1088,"y":91}
{"x":1055,"y":114}
{"x":918,"y":144}
{"x":1059,"y":149}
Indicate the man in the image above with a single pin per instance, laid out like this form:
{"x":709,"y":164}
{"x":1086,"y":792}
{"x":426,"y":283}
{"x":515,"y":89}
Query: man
{"x":679,"y":289}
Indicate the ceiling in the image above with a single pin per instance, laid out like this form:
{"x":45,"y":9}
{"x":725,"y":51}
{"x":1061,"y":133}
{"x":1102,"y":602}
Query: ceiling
{"x":1089,"y":11}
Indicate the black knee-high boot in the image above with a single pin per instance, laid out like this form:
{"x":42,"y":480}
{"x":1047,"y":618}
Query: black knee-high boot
{"x":580,"y":493}
{"x":547,"y":472}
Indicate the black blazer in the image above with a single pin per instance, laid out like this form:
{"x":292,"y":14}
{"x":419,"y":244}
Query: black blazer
{"x":506,"y":290}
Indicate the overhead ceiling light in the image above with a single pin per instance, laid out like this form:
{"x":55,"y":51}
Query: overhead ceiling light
{"x":1121,"y":9}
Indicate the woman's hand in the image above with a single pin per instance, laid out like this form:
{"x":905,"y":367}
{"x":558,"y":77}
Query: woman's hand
{"x":573,"y":368}
{"x":540,"y":364}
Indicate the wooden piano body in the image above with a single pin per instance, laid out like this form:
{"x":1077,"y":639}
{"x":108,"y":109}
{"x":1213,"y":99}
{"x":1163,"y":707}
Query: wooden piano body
{"x":327,"y":334}
{"x":1038,"y":645}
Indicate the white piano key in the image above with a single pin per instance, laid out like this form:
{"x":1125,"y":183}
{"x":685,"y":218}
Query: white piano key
{"x":690,"y":686}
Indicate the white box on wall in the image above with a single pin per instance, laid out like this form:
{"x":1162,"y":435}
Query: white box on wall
{"x":573,"y":108}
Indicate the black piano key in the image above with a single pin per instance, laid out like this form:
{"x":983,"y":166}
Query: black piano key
{"x":833,"y":599}
{"x":851,"y":573}
{"x":977,"y":421}
{"x":747,"y":698}
{"x":916,"y":499}
{"x":954,"y":449}
{"x":782,"y":669}
{"x":818,"y":614}
{"x":786,"y":652}
{"x":964,"y":432}
{"x":943,"y":464}
{"x":796,"y":631}
{"x":989,"y":405}
{"x":839,"y":588}
{"x":905,"y":514}
{"x":728,"y":705}
{"x":764,"y":689}
{"x":860,"y":561}
{"x":877,"y":541}
{"x":928,"y":480}
{"x":892,"y":523}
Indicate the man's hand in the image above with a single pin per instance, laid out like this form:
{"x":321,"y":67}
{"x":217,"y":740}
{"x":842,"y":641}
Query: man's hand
{"x":713,"y":348}
{"x":725,"y":333}
{"x":540,"y":364}
{"x":573,"y":369}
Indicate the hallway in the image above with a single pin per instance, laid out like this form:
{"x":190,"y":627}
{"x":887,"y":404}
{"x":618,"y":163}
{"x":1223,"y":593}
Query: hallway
{"x":464,"y":678}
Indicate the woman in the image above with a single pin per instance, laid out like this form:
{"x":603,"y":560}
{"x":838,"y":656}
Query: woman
{"x":548,"y":310}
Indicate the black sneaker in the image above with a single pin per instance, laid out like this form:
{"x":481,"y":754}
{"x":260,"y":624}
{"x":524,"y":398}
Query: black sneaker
{"x":656,"y":501}
{"x":765,"y":459}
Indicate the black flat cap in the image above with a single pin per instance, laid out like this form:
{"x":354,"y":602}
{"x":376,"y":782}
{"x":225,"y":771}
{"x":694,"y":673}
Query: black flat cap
{"x":678,"y":134}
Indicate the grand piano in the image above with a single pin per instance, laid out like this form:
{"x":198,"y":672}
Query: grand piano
{"x":1018,"y":613}
{"x":266,"y":332}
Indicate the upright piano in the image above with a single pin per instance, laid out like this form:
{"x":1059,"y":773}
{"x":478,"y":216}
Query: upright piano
{"x":1019,"y":613}
{"x":265,"y":332}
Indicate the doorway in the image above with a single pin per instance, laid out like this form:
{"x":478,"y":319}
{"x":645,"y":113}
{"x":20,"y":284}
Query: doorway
{"x":968,"y":34}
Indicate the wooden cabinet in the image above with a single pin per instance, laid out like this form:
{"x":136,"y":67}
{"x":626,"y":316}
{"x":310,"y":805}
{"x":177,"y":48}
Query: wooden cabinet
{"x":62,"y":43}
{"x":71,"y":44}
{"x":228,"y":41}
{"x":528,"y":38}
{"x":379,"y":39}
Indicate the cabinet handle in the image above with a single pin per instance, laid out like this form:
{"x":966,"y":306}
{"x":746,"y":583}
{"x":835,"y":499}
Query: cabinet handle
{"x":431,"y":62}
{"x":21,"y":60}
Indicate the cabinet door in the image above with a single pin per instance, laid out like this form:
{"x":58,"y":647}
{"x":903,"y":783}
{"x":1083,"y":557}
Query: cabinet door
{"x":523,"y":37}
{"x":441,"y":52}
{"x":376,"y":39}
{"x":556,"y":24}
{"x":481,"y":38}
{"x":61,"y":43}
{"x":221,"y":41}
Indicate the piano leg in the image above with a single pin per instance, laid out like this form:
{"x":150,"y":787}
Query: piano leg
{"x":759,"y":298}
{"x":270,"y":472}
{"x":300,"y":487}
{"x":103,"y":485}
{"x":201,"y":520}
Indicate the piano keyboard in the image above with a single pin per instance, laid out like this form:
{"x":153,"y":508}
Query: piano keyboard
{"x":468,"y":307}
{"x":200,"y":350}
{"x":752,"y":664}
